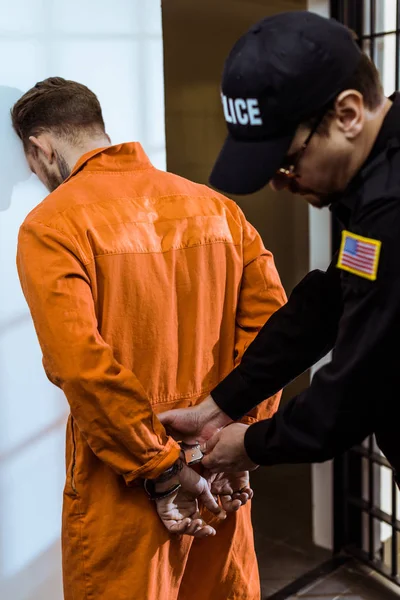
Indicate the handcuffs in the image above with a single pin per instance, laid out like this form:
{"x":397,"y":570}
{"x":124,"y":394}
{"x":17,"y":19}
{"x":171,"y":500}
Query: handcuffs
{"x":191,"y":455}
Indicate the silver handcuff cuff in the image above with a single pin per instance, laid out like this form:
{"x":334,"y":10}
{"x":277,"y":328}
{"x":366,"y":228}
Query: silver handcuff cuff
{"x":192,"y":453}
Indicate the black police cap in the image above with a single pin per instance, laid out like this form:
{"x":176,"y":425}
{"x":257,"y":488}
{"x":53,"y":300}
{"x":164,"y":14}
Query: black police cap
{"x":284,"y":70}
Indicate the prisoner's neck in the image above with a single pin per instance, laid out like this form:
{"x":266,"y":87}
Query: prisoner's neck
{"x":72,"y":153}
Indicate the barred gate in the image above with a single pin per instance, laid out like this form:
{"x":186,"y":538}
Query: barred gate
{"x":366,"y":498}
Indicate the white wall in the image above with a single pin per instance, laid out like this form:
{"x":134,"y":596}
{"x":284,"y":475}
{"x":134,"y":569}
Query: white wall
{"x":115,"y":48}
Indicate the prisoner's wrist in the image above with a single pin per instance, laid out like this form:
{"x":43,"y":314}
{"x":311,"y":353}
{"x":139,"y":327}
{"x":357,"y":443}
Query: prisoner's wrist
{"x":169,"y":477}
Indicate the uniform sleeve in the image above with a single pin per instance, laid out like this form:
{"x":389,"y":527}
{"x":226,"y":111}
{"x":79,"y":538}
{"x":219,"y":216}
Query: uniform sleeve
{"x":348,"y":397}
{"x":292,"y":340}
{"x":106,"y":399}
{"x":261,"y":295}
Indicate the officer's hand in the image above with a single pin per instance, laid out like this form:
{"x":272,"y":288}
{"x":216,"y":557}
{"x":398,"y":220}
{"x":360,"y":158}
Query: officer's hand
{"x":196,"y":424}
{"x":233,"y":489}
{"x":225,"y":451}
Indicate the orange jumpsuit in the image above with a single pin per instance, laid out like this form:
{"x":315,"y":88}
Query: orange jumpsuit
{"x":145,"y":289}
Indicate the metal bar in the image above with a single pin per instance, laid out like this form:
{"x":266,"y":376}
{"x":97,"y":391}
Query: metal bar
{"x":394,"y":531}
{"x":342,"y":9}
{"x":322,"y":571}
{"x":336,"y":10}
{"x":377,"y":513}
{"x":372,"y":29}
{"x":360,"y":19}
{"x":369,"y":36}
{"x":377,"y":565}
{"x":357,"y":17}
{"x":340,"y":492}
{"x":346,"y":494}
{"x":397,"y":44}
{"x":371,"y":488}
{"x":373,"y":456}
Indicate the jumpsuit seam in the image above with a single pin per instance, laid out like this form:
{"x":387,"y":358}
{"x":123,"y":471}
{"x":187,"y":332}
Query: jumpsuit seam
{"x":85,"y":573}
{"x":115,"y":173}
{"x":73,"y":463}
{"x":169,"y":400}
{"x":72,"y":239}
{"x":59,"y":216}
{"x":155,"y":251}
{"x":157,"y":221}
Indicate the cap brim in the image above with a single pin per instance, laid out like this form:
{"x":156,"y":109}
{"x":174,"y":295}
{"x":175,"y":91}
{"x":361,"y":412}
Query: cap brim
{"x":246,"y":167}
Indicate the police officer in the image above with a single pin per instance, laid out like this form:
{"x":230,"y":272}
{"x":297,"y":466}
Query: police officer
{"x":306,"y":112}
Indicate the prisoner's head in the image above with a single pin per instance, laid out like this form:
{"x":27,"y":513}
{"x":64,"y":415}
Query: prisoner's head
{"x":54,"y":120}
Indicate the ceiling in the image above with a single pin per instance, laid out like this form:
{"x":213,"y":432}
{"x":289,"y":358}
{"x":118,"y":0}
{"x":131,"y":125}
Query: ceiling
{"x":229,"y":8}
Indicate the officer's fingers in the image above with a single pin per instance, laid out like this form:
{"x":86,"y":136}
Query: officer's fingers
{"x":210,"y":444}
{"x":179,"y":423}
{"x":213,"y":463}
{"x":171,"y":428}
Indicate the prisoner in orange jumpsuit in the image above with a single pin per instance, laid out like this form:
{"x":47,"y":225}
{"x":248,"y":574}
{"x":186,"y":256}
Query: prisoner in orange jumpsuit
{"x":144,"y":289}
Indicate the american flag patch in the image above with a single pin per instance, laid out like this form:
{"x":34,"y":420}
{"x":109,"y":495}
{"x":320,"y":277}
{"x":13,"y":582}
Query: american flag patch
{"x":359,"y":255}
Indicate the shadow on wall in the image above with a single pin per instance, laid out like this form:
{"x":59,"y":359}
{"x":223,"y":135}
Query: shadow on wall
{"x":13,"y":166}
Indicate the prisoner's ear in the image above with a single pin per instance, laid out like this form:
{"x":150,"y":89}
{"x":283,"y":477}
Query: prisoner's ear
{"x":42,"y":144}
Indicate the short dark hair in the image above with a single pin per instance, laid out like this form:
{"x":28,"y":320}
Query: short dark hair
{"x":365,"y":80}
{"x":59,"y":105}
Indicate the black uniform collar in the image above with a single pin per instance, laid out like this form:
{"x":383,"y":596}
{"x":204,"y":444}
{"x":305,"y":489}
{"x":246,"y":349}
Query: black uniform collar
{"x":389,"y":133}
{"x":390,"y":129}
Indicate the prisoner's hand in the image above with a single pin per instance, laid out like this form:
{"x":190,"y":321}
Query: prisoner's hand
{"x":180,"y":514}
{"x":225,"y":451}
{"x":233,"y":489}
{"x":180,"y":511}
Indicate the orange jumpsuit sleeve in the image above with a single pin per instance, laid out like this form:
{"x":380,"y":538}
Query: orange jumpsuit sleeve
{"x":261,"y":294}
{"x":107,"y":401}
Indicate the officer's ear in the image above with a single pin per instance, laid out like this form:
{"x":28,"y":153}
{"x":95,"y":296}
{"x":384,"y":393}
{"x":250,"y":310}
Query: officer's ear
{"x":350,"y":113}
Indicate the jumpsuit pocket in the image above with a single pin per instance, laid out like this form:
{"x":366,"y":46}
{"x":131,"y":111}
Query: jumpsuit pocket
{"x":71,"y":454}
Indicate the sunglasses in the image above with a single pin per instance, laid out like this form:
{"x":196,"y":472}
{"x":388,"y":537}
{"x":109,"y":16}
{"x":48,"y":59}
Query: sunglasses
{"x":289,"y":170}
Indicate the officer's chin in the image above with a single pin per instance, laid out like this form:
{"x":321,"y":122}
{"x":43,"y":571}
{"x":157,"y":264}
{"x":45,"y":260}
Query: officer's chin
{"x":320,"y":200}
{"x":314,"y":200}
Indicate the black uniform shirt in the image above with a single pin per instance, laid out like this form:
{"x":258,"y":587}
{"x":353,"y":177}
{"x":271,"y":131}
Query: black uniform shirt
{"x":356,"y":393}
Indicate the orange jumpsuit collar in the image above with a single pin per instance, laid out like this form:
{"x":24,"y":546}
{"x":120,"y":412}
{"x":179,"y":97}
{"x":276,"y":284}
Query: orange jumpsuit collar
{"x":128,"y":156}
